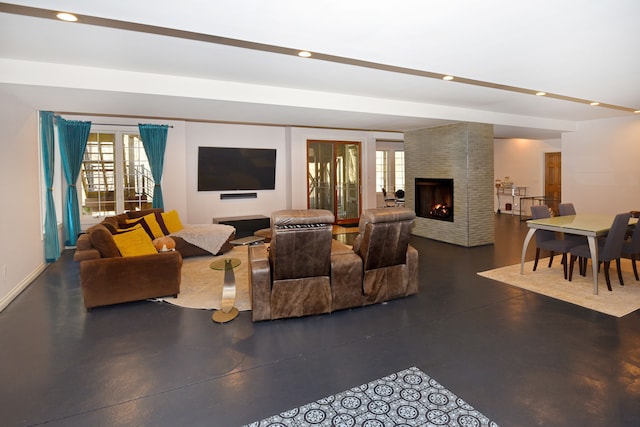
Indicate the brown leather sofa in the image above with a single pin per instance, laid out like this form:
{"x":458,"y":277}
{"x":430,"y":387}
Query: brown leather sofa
{"x":307,"y":272}
{"x":390,"y":264}
{"x":298,"y":275}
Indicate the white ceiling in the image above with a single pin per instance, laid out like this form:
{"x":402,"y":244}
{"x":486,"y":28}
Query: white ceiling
{"x":584,"y":49}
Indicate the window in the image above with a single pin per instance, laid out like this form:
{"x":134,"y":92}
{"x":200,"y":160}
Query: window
{"x":115,"y":175}
{"x":399,"y":170}
{"x":390,"y":167}
{"x":381,"y":170}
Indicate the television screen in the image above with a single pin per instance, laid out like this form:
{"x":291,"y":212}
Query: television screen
{"x":229,"y":169}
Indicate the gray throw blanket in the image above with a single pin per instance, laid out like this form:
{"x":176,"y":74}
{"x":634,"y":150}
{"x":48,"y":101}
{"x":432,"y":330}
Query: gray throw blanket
{"x":209,"y":237}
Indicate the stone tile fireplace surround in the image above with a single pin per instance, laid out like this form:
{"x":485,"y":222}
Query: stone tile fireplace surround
{"x":463,"y":153}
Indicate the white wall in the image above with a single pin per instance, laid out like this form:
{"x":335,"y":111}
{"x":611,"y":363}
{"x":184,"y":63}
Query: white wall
{"x":21,"y":247}
{"x":203,"y":206}
{"x":600,"y":166}
{"x":522,"y":160}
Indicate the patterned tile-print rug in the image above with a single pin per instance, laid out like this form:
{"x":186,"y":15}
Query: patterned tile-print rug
{"x":406,"y":398}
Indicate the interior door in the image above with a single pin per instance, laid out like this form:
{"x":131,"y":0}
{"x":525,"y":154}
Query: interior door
{"x":334,"y":178}
{"x":553,"y":179}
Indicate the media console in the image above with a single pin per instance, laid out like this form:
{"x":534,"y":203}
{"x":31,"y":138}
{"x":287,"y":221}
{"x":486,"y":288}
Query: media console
{"x":245,"y":225}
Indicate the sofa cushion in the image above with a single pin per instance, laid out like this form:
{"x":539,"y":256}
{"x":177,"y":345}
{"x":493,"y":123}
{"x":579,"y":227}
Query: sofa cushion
{"x":111,"y":222}
{"x":102,"y":240}
{"x":133,"y":243}
{"x":144,"y":212}
{"x":120,"y":218}
{"x":172,"y":221}
{"x":130,"y":227}
{"x":152,"y":225}
{"x":137,"y":223}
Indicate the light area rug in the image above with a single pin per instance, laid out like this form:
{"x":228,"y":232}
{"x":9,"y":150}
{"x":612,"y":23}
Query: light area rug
{"x":408,"y":397}
{"x":201,"y":286}
{"x":550,"y":282}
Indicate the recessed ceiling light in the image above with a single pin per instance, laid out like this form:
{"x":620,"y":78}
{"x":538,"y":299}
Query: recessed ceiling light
{"x":448,"y":78}
{"x":304,"y":54}
{"x":64,"y":16}
{"x":594,"y":103}
{"x":541,"y":93}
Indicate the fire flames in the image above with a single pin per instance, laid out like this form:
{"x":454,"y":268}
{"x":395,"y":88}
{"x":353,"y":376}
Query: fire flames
{"x":440,"y":210}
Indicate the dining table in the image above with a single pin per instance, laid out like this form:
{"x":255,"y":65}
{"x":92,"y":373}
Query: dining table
{"x":592,"y":226}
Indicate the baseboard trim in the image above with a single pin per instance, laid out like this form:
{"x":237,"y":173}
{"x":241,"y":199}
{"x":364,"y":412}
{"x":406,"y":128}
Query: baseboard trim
{"x":24,"y":284}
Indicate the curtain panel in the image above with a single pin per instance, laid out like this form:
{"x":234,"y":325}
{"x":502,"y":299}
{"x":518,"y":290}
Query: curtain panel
{"x":72,"y":135}
{"x":154,"y":141}
{"x":47,"y":141}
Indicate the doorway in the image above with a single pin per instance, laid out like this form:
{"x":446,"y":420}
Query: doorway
{"x":553,"y":179}
{"x":333,"y":171}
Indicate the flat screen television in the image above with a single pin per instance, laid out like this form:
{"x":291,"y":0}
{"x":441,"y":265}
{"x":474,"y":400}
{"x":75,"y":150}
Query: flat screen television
{"x":230,"y":169}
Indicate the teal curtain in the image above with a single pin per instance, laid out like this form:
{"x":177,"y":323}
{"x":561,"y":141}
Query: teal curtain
{"x":154,"y":140}
{"x":73,"y":135}
{"x":47,"y":141}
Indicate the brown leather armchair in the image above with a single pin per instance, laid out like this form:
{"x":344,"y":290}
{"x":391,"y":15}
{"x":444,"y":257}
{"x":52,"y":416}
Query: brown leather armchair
{"x":293,"y":277}
{"x":390,"y":264}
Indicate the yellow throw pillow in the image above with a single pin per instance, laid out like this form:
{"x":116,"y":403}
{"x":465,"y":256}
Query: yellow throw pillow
{"x":135,"y":242}
{"x":172,"y":221}
{"x":152,"y":223}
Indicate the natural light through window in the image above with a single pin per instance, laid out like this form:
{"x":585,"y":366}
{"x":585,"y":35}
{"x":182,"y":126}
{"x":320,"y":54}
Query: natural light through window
{"x":389,"y":170}
{"x":399,"y":170}
{"x":115,"y":175}
{"x":381,"y":170}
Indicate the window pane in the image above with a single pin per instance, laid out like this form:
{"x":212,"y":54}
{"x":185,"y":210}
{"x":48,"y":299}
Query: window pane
{"x":381,"y":170}
{"x":399,"y":169}
{"x":98,"y":175}
{"x":138,"y":182}
{"x":321,"y":183}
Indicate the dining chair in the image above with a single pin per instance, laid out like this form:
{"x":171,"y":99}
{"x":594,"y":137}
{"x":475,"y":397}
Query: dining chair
{"x":399,"y":198}
{"x":609,"y":250}
{"x":569,"y":209}
{"x":388,"y":201}
{"x":566,"y":209}
{"x":631,"y":248}
{"x":548,"y":240}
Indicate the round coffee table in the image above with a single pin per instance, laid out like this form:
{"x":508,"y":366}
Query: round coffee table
{"x":227,"y":310}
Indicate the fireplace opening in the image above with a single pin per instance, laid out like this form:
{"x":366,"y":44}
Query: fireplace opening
{"x":434,"y":198}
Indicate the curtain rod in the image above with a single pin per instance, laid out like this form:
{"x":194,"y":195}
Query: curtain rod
{"x":119,"y":124}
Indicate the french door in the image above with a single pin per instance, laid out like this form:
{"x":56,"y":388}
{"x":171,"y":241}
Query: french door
{"x":334,"y":178}
{"x":115,"y":175}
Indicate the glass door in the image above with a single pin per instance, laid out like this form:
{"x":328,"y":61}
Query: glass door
{"x":347,"y":166}
{"x":334,"y":178}
{"x":115,"y":176}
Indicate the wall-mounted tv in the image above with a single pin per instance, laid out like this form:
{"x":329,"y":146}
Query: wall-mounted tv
{"x":230,"y":169}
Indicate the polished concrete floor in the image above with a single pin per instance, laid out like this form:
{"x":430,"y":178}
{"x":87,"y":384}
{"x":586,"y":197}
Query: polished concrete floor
{"x":520,"y":358}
